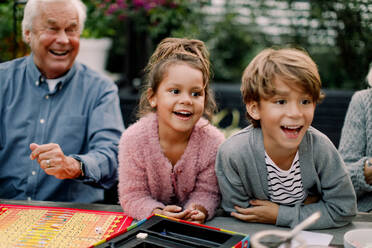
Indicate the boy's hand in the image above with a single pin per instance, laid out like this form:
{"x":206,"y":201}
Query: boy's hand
{"x":311,"y":199}
{"x":262,"y":212}
{"x":198,"y":214}
{"x":172,"y":211}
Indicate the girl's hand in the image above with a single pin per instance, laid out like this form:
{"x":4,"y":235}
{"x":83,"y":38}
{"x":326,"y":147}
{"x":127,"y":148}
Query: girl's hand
{"x":262,"y":212}
{"x":172,"y":211}
{"x":198,"y":214}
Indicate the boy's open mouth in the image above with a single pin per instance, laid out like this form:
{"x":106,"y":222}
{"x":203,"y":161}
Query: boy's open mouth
{"x":291,"y":130}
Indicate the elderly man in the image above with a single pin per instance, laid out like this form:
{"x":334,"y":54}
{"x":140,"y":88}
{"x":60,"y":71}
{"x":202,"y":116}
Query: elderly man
{"x":60,"y":122}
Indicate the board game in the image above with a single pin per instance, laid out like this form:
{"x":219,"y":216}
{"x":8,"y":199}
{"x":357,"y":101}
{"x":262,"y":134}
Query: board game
{"x":159,"y":231}
{"x":37,"y":226}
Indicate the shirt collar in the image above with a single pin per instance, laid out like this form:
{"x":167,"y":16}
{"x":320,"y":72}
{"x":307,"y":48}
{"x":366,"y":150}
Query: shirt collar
{"x":35,"y":75}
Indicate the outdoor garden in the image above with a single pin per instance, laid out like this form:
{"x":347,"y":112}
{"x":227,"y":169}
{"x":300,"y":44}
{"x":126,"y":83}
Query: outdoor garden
{"x":337,"y":35}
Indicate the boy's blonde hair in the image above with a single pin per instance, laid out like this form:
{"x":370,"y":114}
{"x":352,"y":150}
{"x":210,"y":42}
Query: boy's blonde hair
{"x":292,"y":66}
{"x":172,"y":51}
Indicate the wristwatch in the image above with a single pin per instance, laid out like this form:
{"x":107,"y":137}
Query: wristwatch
{"x":81,"y":166}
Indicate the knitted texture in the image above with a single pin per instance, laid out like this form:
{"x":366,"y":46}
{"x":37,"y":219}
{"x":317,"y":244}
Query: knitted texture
{"x":356,"y":144}
{"x":147,"y":179}
{"x":242,"y":176}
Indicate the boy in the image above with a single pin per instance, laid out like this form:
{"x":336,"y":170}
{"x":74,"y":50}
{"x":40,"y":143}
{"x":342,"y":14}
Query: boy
{"x":280,"y":170}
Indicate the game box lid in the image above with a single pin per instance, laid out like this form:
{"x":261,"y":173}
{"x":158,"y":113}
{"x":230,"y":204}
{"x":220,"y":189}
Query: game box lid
{"x":163,"y":232}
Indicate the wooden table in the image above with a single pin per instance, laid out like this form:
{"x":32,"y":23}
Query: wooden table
{"x":362,"y":220}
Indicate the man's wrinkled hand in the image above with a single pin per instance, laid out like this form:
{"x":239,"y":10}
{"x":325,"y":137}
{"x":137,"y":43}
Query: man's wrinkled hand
{"x":54,"y":162}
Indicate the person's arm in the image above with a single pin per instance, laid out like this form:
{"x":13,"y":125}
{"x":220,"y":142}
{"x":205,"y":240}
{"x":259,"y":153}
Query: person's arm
{"x":205,"y":196}
{"x":229,"y":181}
{"x":134,"y":193}
{"x":54,"y":162}
{"x":353,"y":144}
{"x":338,"y":201}
{"x":105,"y":125}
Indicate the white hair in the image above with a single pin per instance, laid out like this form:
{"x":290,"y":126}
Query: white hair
{"x":369,"y":77}
{"x":32,"y":9}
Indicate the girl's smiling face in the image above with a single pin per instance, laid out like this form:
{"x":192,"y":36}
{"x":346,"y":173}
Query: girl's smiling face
{"x":284,"y":117}
{"x":179,"y":99}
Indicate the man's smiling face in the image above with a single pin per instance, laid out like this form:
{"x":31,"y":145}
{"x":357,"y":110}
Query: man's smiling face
{"x":54,"y":38}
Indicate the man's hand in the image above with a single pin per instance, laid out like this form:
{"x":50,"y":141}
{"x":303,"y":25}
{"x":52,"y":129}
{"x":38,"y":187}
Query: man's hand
{"x":53,"y":161}
{"x":198,"y":214}
{"x":262,"y":212}
{"x":172,"y":211}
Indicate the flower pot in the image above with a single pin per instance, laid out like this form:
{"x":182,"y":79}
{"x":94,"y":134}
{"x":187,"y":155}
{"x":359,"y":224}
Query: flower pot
{"x":93,"y":53}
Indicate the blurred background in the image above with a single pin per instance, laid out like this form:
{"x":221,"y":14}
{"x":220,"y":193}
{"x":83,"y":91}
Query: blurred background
{"x":337,"y":34}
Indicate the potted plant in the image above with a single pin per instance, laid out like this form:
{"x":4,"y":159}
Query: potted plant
{"x":135,"y":27}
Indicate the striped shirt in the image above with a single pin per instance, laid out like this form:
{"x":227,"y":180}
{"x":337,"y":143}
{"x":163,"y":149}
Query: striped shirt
{"x":285,"y":187}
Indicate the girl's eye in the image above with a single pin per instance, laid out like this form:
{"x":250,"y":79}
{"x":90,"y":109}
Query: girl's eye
{"x":196,"y":94}
{"x":280,"y":102}
{"x":174,"y":91}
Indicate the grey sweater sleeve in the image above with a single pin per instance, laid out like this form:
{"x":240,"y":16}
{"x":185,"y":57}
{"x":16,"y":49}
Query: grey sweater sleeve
{"x":242,"y":176}
{"x":323,"y":173}
{"x":354,"y":139}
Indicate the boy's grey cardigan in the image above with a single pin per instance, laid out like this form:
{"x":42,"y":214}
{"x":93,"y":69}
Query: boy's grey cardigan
{"x":242,"y":176}
{"x":356,"y":145}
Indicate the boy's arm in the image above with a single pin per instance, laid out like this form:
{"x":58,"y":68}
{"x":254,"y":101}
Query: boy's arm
{"x":229,"y":181}
{"x":337,"y":202}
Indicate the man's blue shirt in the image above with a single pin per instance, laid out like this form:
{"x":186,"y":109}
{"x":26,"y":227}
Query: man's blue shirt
{"x":82,"y":115}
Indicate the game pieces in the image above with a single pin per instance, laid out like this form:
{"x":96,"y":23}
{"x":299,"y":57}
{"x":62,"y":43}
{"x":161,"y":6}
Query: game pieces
{"x":30,"y":226}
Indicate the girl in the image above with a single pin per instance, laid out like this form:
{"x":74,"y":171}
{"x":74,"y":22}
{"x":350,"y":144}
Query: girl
{"x":166,"y":159}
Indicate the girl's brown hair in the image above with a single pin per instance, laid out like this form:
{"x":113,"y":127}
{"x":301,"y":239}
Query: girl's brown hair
{"x":292,"y":66}
{"x":171,"y":51}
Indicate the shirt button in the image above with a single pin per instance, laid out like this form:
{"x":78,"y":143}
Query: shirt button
{"x":47,"y":97}
{"x":42,"y":121}
{"x":33,"y":173}
{"x":28,"y":198}
{"x":37,"y":83}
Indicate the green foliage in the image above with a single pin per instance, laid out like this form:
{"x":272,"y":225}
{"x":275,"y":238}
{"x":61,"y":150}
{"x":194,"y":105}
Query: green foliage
{"x":155,"y":18}
{"x":97,"y":24}
{"x":353,"y":54}
{"x":10,"y":45}
{"x":231,"y":48}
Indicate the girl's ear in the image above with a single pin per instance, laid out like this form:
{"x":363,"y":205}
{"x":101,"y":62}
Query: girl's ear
{"x":252,"y":109}
{"x":151,"y":98}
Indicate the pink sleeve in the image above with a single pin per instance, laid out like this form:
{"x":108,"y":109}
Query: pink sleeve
{"x":134,"y":195}
{"x":206,"y":191}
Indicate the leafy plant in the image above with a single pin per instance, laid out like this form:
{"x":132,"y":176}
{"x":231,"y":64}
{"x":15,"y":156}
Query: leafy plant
{"x":11,"y":44}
